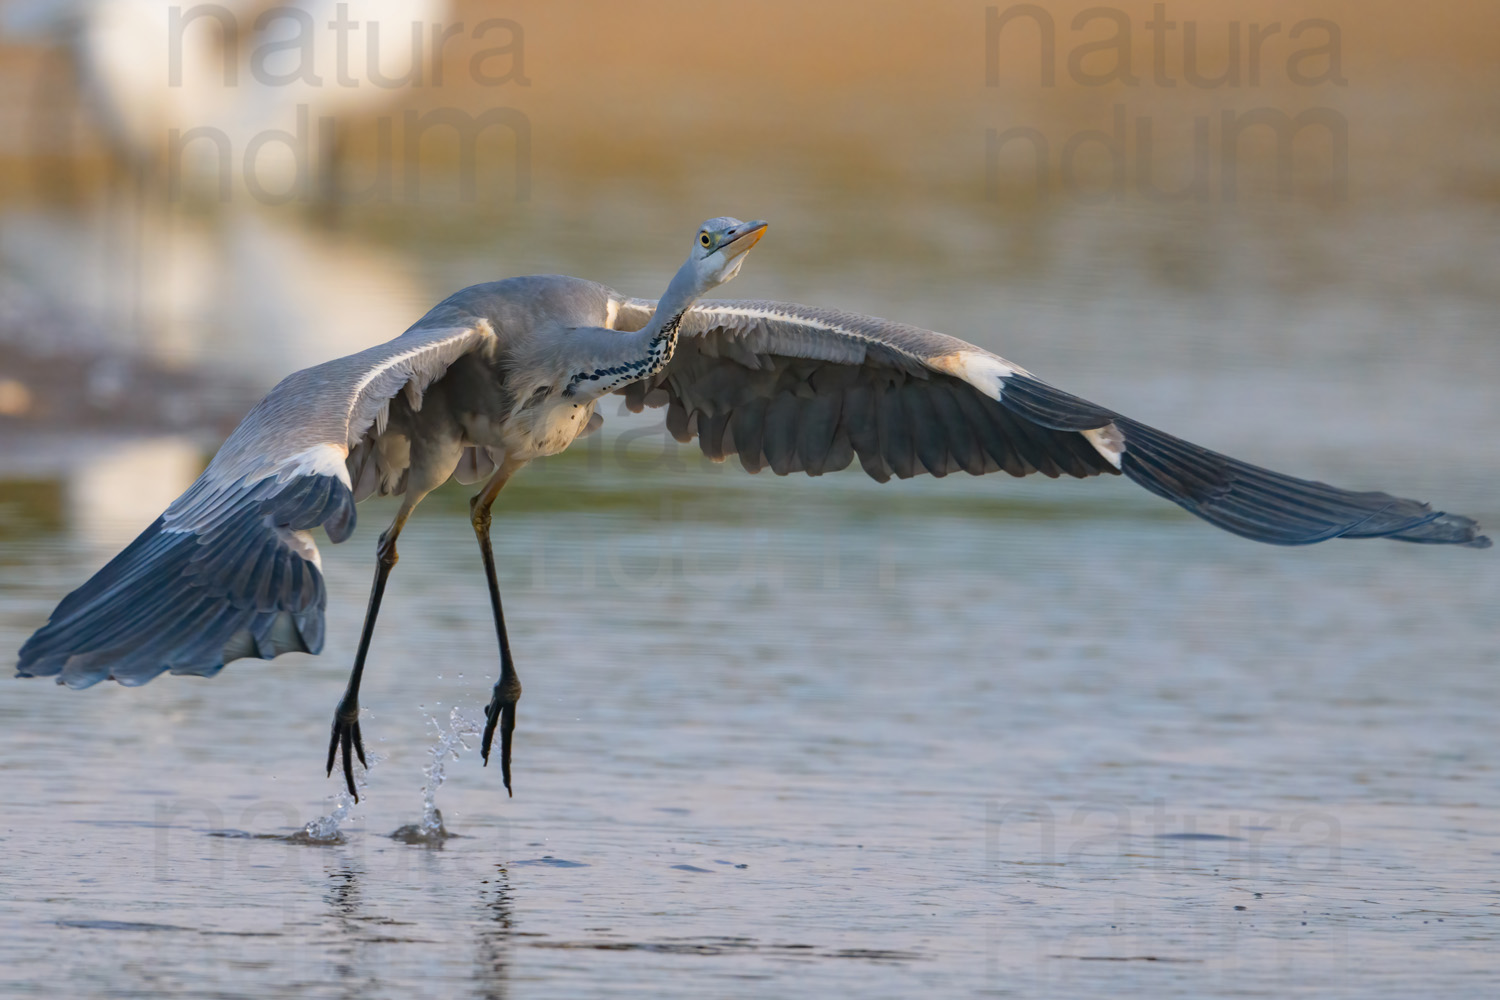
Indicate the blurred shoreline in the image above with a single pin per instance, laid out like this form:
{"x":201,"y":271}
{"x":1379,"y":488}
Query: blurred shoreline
{"x":1331,"y":320}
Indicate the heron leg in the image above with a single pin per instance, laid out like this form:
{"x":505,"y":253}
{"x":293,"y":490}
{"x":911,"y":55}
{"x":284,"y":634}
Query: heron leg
{"x":346,"y":736}
{"x":501,"y":710}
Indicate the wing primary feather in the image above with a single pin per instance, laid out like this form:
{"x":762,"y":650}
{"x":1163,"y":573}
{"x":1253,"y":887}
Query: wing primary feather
{"x":962,"y":440}
{"x":1271,"y":507}
{"x":929,"y":435}
{"x":677,"y":420}
{"x":817,"y":423}
{"x":180,"y":600}
{"x":863,"y":430}
{"x":779,"y":438}
{"x":748,"y":426}
{"x":894,"y":425}
{"x":711,"y":435}
{"x":840,"y":453}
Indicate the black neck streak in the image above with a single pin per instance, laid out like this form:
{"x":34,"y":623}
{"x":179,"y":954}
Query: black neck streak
{"x":658,"y":352}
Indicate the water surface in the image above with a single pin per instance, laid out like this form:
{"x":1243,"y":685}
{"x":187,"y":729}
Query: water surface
{"x":976,"y":737}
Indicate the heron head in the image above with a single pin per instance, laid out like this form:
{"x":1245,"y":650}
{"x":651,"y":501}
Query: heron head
{"x":719,"y":249}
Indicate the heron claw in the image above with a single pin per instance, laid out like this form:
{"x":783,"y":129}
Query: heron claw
{"x":501,"y":711}
{"x":346,"y":737}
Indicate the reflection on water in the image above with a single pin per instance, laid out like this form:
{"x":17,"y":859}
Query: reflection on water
{"x":492,"y":936}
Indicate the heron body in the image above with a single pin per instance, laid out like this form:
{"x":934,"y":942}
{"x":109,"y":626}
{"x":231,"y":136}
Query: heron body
{"x":502,"y":373}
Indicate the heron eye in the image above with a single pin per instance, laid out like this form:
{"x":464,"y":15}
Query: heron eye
{"x":704,"y":239}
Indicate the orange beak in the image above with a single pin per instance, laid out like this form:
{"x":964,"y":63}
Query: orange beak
{"x":745,"y":240}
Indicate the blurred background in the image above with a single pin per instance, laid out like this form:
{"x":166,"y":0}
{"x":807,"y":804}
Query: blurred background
{"x":1269,"y":226}
{"x":1252,"y":220}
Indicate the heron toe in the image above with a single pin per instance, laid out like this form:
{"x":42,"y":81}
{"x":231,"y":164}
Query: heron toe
{"x":346,"y":737}
{"x":501,"y":712}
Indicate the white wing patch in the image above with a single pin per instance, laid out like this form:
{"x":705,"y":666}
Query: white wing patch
{"x":1107,"y":441}
{"x":319,"y":460}
{"x":301,"y":542}
{"x":982,"y":370}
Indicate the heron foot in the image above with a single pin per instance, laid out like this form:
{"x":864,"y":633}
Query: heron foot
{"x":346,"y":736}
{"x":501,"y":711}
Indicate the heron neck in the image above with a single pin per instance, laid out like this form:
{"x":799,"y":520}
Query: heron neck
{"x":657,"y":340}
{"x":626,"y":358}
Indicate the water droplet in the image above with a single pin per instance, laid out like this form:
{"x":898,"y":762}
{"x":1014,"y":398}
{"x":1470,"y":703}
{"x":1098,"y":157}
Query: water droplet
{"x":450,"y":743}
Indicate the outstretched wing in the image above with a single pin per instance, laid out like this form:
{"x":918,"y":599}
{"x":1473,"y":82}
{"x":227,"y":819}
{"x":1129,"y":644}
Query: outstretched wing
{"x":230,"y":569}
{"x":802,"y":389}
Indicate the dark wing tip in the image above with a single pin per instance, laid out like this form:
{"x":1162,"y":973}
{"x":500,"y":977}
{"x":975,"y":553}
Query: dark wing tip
{"x":1268,"y":506}
{"x":1446,"y":529}
{"x":187,"y":601}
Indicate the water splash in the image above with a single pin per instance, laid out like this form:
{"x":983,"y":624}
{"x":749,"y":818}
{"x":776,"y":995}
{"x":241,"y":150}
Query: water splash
{"x":450,"y":745}
{"x":325,"y":829}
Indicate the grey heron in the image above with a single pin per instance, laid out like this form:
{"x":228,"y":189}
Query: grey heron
{"x":502,"y":373}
